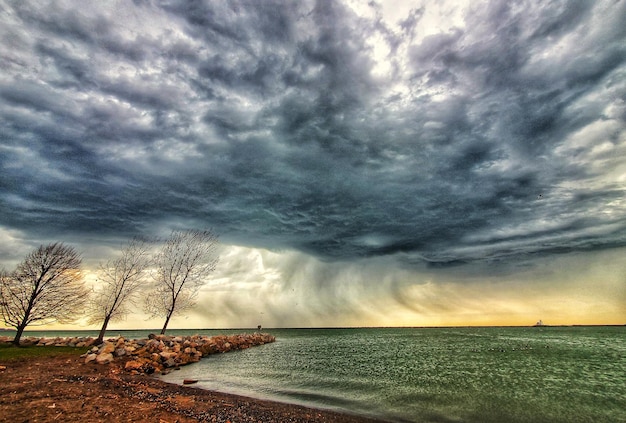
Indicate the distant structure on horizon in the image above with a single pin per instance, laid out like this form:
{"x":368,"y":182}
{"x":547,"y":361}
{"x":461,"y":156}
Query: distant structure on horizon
{"x":539,"y":323}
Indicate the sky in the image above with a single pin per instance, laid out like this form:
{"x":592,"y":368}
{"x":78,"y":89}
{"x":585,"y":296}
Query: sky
{"x":392,"y":163}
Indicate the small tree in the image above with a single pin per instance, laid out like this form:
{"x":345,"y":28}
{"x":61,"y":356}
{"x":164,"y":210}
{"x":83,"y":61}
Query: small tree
{"x":181,"y":267}
{"x":120,"y":279}
{"x":46,"y":287}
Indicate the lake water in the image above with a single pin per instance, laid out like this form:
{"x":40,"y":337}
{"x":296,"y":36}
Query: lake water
{"x":543,"y":374}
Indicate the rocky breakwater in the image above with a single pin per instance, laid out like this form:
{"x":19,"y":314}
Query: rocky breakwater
{"x":162,"y":353}
{"x":78,"y":342}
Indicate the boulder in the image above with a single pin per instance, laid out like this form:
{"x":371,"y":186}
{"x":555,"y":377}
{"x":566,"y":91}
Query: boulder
{"x":133,"y":365}
{"x":104,"y":358}
{"x":107,"y":347}
{"x":167,"y":354}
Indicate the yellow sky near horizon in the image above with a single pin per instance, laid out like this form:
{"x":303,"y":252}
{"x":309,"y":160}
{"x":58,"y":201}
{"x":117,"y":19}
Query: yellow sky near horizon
{"x":289,"y":289}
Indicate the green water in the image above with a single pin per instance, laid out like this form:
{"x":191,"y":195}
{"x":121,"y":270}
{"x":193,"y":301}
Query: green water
{"x":547,"y":374}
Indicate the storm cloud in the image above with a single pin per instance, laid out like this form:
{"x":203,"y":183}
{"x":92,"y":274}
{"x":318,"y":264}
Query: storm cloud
{"x":447,"y":136}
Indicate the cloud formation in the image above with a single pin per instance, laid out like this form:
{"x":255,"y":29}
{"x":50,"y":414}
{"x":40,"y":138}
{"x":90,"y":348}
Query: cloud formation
{"x":253,"y":286}
{"x":447,"y":135}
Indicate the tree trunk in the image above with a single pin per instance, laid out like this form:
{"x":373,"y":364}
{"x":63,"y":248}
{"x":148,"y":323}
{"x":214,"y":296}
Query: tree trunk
{"x":103,"y":330}
{"x":18,"y":335}
{"x":20,"y":328}
{"x":167,"y":321}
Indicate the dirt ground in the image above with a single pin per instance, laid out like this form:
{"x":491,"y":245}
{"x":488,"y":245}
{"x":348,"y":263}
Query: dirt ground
{"x":65,"y":389}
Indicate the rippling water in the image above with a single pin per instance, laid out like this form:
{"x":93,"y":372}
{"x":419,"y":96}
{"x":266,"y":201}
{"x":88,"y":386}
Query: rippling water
{"x":546,"y":374}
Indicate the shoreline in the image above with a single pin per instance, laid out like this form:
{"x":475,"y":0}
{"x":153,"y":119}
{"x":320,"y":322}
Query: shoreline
{"x":64,"y":388}
{"x":118,"y":381}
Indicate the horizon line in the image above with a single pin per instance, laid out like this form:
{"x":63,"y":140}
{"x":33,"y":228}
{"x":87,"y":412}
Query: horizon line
{"x":328,"y":327}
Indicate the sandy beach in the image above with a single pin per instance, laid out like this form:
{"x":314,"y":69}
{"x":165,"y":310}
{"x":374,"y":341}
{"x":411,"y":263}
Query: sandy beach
{"x":64,"y":388}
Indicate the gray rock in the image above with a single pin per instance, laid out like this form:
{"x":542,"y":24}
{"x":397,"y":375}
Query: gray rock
{"x":104,"y":358}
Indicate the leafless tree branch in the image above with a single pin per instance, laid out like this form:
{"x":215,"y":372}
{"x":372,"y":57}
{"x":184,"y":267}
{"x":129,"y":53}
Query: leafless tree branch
{"x":181,"y":268}
{"x":120,"y":280}
{"x":46,"y":287}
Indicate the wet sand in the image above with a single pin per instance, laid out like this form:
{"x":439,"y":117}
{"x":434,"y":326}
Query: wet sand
{"x":64,"y":388}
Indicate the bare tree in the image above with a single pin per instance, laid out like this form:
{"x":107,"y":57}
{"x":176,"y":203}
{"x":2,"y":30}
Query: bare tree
{"x":46,"y":287}
{"x":181,"y":267}
{"x":119,"y":281}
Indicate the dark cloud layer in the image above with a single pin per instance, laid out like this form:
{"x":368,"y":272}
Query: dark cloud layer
{"x":273,"y":123}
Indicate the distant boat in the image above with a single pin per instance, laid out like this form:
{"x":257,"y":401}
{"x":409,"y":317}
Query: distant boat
{"x":539,"y":323}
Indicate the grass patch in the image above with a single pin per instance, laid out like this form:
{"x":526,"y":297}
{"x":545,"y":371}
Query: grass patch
{"x":9,"y":352}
